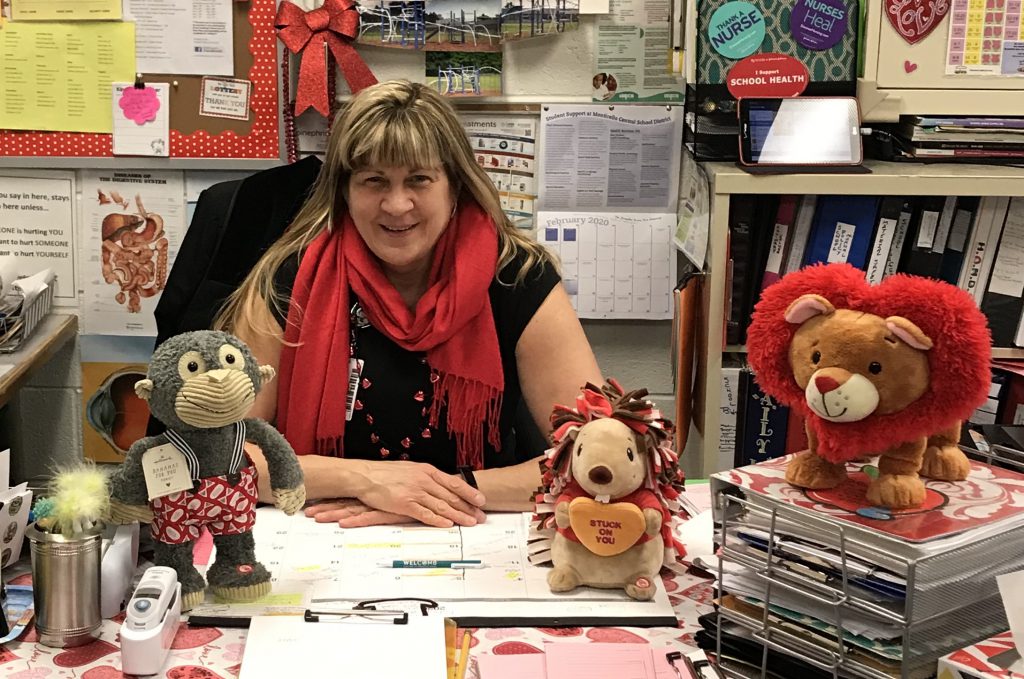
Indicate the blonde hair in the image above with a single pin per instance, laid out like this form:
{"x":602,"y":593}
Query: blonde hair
{"x":391,"y":124}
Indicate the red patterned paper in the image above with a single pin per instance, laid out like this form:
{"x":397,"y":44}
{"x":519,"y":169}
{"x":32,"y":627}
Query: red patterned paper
{"x":976,"y":658}
{"x":261,"y":142}
{"x":914,"y":20}
{"x":989,"y":494}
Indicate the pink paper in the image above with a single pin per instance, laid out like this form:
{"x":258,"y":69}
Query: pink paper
{"x":520,"y":666}
{"x":139,"y":104}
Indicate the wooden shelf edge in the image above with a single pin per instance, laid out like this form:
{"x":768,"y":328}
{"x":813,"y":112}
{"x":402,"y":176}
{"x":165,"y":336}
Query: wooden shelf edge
{"x":53,"y":332}
{"x":1007,"y":352}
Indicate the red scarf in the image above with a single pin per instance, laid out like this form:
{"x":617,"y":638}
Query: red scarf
{"x":452,"y":323}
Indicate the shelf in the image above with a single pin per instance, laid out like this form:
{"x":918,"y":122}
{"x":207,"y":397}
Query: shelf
{"x":48,"y":337}
{"x":886,"y":178}
{"x":735,"y":348}
{"x":1011,"y":352}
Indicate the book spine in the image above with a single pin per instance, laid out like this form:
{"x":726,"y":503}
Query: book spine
{"x":801,"y":233}
{"x":781,"y":236}
{"x":966,"y":153}
{"x":899,"y":237}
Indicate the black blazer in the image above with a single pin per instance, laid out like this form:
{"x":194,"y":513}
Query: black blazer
{"x":234,"y":224}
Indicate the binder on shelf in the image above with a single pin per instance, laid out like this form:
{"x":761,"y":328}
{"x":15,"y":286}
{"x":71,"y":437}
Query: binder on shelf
{"x":899,"y":237}
{"x":1002,"y":302}
{"x":980,"y":252}
{"x":842,"y":230}
{"x":686,"y":297}
{"x":782,"y":236}
{"x":885,"y":230}
{"x":953,"y":257}
{"x":801,"y":233}
{"x":761,"y":423}
{"x":920,"y":259}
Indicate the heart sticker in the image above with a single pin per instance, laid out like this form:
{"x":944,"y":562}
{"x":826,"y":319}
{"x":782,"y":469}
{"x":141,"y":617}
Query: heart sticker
{"x":914,"y":20}
{"x":909,"y":66}
{"x":606,"y":529}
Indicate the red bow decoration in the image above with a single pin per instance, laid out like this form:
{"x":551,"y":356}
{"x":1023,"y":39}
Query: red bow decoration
{"x":336,"y":25}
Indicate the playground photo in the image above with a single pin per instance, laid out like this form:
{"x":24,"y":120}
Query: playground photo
{"x":444,"y":25}
{"x":520,"y":19}
{"x":464,"y":74}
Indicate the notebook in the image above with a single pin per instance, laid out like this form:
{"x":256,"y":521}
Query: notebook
{"x":349,"y":647}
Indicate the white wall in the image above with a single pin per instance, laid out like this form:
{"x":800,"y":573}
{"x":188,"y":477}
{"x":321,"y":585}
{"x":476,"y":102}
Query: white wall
{"x":43,"y":423}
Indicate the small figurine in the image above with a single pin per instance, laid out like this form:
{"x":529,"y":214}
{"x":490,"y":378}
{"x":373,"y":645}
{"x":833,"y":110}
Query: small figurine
{"x":888,"y":370}
{"x":613,"y":481}
{"x":200,"y":385}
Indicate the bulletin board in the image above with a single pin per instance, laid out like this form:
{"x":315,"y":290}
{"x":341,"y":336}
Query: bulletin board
{"x":192,"y":135}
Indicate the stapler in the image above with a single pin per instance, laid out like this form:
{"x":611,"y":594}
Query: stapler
{"x":151,"y":621}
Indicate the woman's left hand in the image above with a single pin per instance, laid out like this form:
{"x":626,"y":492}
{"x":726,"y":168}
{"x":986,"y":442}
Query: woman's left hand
{"x":350,"y":513}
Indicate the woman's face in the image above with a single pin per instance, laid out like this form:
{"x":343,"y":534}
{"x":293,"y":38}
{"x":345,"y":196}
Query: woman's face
{"x":401,"y":213}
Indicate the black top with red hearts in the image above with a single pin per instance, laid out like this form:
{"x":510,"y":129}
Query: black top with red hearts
{"x":390,"y":420}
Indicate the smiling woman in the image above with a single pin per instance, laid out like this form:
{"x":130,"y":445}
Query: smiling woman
{"x":409,"y":320}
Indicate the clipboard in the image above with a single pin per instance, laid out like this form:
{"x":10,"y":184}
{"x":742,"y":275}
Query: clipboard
{"x":361,"y":642}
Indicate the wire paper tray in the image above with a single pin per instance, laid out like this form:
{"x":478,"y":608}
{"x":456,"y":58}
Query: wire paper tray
{"x":948,"y":583}
{"x":19,"y":324}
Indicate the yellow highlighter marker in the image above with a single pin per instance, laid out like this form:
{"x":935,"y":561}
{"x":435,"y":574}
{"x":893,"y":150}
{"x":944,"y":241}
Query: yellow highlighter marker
{"x":460,"y":669}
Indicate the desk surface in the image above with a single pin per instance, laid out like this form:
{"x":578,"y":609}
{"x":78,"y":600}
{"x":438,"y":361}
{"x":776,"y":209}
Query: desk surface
{"x":49,"y":336}
{"x":210,"y":653}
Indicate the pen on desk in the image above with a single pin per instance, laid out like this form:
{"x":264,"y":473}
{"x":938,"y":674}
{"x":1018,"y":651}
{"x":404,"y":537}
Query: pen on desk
{"x":432,"y":563}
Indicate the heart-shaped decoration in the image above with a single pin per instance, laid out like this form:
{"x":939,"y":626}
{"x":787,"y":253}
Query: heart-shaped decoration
{"x":909,"y":66}
{"x":914,"y":20}
{"x":606,"y":529}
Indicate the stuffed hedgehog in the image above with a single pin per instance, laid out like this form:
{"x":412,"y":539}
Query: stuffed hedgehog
{"x":612,"y":481}
{"x":201,"y":384}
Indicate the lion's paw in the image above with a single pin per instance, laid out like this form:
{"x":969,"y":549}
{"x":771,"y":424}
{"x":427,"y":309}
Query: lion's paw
{"x":807,"y":470}
{"x":945,"y":464}
{"x":896,"y":491}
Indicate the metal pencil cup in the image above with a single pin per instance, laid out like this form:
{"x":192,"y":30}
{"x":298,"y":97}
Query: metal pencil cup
{"x":66,"y":586}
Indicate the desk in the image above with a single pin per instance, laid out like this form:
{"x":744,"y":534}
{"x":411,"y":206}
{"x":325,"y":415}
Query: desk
{"x":49,"y":336}
{"x":210,"y":653}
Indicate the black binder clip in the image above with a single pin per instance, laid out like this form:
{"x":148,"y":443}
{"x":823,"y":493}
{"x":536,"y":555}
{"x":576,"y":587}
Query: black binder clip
{"x":138,"y":81}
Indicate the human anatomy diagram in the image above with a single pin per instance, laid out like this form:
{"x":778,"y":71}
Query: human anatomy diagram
{"x":134,"y":249}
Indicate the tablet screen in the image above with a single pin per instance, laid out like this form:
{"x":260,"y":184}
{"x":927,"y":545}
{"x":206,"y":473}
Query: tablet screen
{"x":801,"y":130}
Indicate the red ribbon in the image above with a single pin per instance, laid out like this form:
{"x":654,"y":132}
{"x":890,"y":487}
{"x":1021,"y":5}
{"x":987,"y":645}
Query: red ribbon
{"x":336,"y":25}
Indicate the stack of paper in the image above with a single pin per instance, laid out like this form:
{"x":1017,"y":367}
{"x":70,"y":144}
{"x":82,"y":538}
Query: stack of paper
{"x":878,"y":592}
{"x":593,"y":661}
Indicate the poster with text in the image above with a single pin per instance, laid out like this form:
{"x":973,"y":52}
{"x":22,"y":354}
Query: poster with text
{"x":37,"y":229}
{"x":633,"y":56}
{"x":504,"y":146}
{"x":131,"y":227}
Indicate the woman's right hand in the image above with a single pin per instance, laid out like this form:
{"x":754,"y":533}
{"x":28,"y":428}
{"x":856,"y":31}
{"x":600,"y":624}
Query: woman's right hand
{"x":422,"y":492}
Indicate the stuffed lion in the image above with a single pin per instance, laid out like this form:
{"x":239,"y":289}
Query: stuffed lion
{"x":890,"y":369}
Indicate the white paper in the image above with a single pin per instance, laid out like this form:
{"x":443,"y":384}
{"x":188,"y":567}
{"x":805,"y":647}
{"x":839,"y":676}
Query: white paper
{"x":694,"y":212}
{"x":593,"y":6}
{"x":142,"y":215}
{"x":610,"y":158}
{"x":1008,"y":270}
{"x":5,"y":469}
{"x":287,"y":646}
{"x":182,"y":37}
{"x":880,"y":250}
{"x":322,"y":564}
{"x":505,"y":147}
{"x":632,"y":56}
{"x":1011,"y":589}
{"x":15,"y":504}
{"x":926,"y":229}
{"x":37,"y":226}
{"x":225,"y":98}
{"x":613,"y":265}
{"x":151,"y":138}
{"x":842,"y":239}
{"x":32,"y":286}
{"x":311,"y":134}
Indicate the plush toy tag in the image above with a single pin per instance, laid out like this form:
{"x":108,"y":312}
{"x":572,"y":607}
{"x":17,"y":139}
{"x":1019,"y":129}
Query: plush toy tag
{"x":355,"y":370}
{"x":606,"y":529}
{"x":165,"y":470}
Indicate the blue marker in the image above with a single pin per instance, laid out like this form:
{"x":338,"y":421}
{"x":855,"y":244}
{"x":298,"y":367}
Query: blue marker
{"x":433,"y":563}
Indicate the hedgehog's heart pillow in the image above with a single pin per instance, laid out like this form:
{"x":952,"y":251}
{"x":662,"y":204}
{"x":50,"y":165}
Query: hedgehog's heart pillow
{"x":606,"y":529}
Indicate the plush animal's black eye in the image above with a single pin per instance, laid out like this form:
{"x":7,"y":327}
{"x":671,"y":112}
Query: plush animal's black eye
{"x":579,"y":451}
{"x":815,"y":357}
{"x":875,"y":368}
{"x":230,"y":358}
{"x":193,"y":366}
{"x":629,"y":454}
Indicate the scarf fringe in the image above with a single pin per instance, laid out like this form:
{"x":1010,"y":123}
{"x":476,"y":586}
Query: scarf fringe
{"x":471,"y":406}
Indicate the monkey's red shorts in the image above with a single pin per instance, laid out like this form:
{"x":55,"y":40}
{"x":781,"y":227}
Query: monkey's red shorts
{"x":222,"y":508}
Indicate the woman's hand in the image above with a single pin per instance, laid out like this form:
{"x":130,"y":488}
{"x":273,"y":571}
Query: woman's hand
{"x":349,"y":513}
{"x":421,"y":492}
